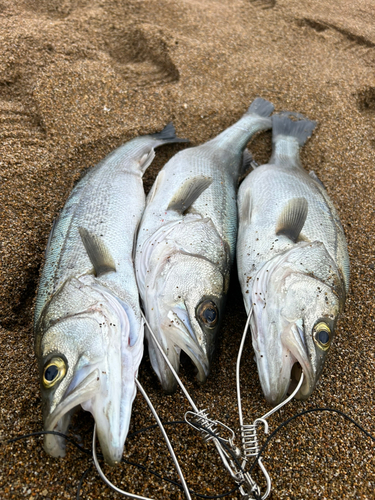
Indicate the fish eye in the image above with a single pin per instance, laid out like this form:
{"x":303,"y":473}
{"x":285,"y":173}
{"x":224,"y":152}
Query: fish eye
{"x":208,"y":313}
{"x":54,"y":371}
{"x":322,"y":335}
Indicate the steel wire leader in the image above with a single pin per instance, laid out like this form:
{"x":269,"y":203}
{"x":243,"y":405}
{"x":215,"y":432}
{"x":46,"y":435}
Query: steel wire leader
{"x":234,"y":459}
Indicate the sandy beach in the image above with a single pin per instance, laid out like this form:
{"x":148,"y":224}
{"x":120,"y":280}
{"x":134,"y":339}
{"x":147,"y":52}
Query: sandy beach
{"x":77,"y":79}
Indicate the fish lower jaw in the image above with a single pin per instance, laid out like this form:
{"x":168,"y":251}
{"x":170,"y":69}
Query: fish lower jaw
{"x":276,"y":389}
{"x":112,"y":453}
{"x":167,"y":378}
{"x":55,"y":445}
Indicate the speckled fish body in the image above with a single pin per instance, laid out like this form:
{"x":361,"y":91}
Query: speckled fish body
{"x":88,"y":324}
{"x":293,"y":264}
{"x":186,"y":245}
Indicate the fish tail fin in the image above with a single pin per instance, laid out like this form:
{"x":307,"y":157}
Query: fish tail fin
{"x":168,"y":135}
{"x":292,"y":125}
{"x":260,"y":107}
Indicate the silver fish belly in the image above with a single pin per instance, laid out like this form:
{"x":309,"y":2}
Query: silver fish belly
{"x":88,"y":324}
{"x":186,"y":245}
{"x":293,"y":264}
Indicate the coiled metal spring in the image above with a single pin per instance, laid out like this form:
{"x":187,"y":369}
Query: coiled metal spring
{"x":201,"y":422}
{"x":249,"y":440}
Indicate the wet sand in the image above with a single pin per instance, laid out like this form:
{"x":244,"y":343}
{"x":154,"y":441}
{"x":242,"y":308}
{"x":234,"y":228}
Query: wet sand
{"x":78,"y":78}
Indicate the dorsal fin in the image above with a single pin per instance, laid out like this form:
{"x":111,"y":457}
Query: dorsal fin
{"x":97,"y":251}
{"x":292,"y":218}
{"x":190,"y":190}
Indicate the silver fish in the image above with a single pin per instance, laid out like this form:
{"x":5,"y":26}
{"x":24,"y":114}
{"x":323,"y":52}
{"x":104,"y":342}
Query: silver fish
{"x":88,"y":325}
{"x":186,"y":245}
{"x":293,"y":264}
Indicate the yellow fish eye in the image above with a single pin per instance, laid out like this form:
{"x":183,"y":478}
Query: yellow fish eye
{"x":53,"y":372}
{"x":322,"y":335}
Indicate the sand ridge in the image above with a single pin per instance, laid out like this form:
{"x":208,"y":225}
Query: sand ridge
{"x":78,"y":78}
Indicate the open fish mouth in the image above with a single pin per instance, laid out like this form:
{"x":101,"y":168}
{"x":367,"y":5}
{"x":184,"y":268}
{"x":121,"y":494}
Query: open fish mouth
{"x":281,"y":368}
{"x":299,"y":361}
{"x":276,"y":390}
{"x":59,"y":419}
{"x":186,"y":340}
{"x":178,"y":335}
{"x":97,"y":395}
{"x":295,"y":376}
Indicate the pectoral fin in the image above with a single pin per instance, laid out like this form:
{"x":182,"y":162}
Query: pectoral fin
{"x":292,"y":218}
{"x":190,"y":191}
{"x":97,"y":251}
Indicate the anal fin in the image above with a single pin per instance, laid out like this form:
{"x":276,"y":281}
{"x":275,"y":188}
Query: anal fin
{"x":292,"y":218}
{"x":190,"y":191}
{"x":98,"y":252}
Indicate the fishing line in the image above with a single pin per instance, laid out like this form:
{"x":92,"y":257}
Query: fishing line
{"x":128,"y":462}
{"x":179,"y":422}
{"x":311,"y":410}
{"x":83,"y":477}
{"x":54,"y":433}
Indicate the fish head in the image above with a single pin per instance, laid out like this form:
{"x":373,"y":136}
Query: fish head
{"x":91,"y":359}
{"x":297,"y":298}
{"x":184,"y":312}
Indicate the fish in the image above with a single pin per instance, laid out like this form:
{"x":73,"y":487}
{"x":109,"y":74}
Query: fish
{"x":293,"y":264}
{"x":186,"y":246}
{"x":89,"y":331}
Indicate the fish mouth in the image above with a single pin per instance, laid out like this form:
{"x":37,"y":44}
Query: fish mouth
{"x":295,"y":341}
{"x":295,"y":377}
{"x":280,"y":373}
{"x":178,"y":335}
{"x":59,"y":419}
{"x":105,"y":400}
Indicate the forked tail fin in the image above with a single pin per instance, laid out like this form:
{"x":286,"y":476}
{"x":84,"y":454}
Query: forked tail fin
{"x":260,"y":107}
{"x":292,"y":125}
{"x":168,"y":134}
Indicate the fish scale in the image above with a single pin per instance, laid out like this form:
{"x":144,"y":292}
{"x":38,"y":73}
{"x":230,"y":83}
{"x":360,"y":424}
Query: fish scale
{"x":271,"y":190}
{"x":87,"y":205}
{"x":190,"y":284}
{"x":88,"y":323}
{"x":293,"y":264}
